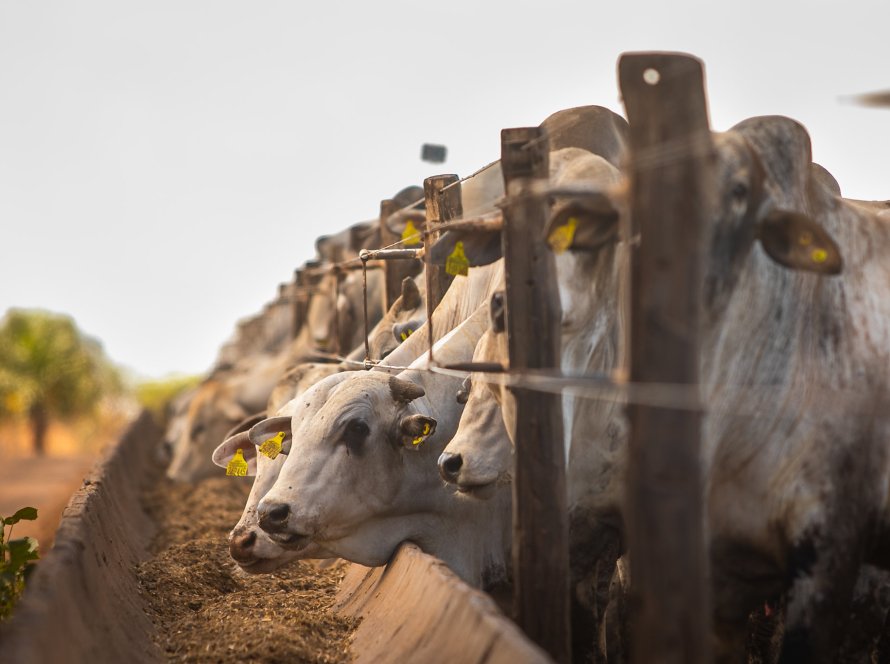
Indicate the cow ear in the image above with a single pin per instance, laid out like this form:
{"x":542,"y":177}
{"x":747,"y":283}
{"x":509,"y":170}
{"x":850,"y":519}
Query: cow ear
{"x":240,"y":441}
{"x":404,"y":390}
{"x":274,"y":428}
{"x":411,"y":298}
{"x":414,"y":429}
{"x":407,"y":224}
{"x":583,"y":225}
{"x":795,"y":241}
{"x":480,"y":247}
{"x":401,"y":331}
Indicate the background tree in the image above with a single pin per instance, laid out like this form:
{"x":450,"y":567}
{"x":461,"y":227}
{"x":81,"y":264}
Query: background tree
{"x":50,"y":369}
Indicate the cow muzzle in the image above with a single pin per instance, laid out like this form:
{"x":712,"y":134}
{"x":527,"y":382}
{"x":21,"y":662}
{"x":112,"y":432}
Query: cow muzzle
{"x":241,"y":545}
{"x":449,"y":466}
{"x":274,"y":520}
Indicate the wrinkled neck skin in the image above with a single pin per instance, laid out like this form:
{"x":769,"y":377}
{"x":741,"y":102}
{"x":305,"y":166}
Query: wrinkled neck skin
{"x":790,"y":356}
{"x":463,"y":297}
{"x":381,"y":340}
{"x":481,"y":439}
{"x":472,"y":538}
{"x":591,"y":287}
{"x":362,"y":506}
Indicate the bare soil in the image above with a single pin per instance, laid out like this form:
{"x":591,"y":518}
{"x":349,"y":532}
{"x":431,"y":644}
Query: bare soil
{"x":207,"y":610}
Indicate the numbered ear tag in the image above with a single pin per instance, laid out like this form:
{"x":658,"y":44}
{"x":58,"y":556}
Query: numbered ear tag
{"x":407,"y":333}
{"x":410,"y":236}
{"x":422,"y":437}
{"x":561,"y":237}
{"x":272,"y":447}
{"x":457,"y":263}
{"x":237,"y":467}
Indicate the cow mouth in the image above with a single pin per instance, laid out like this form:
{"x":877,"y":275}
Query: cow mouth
{"x":259,"y":565}
{"x":290,"y":541}
{"x":481,"y":491}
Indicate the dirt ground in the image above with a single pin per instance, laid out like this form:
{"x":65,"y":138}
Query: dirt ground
{"x":207,"y":610}
{"x":42,"y":482}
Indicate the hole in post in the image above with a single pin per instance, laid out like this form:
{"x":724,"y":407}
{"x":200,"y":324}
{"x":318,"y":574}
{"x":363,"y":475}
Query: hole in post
{"x":651,"y":76}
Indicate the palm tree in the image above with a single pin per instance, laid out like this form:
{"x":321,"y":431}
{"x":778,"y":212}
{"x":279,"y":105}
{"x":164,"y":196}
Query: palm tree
{"x":49,"y":369}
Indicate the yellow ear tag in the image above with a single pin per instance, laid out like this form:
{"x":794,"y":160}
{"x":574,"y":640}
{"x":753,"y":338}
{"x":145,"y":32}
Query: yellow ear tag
{"x":819,"y":255}
{"x":561,"y":237}
{"x":406,"y":334}
{"x":272,"y":447}
{"x":237,"y":466}
{"x":457,"y":263}
{"x":410,"y":236}
{"x":426,"y":432}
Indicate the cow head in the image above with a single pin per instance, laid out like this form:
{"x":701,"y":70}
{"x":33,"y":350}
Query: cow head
{"x":249,"y":545}
{"x":211,"y":413}
{"x":763,"y":165}
{"x":358,"y":467}
{"x":480,"y":455}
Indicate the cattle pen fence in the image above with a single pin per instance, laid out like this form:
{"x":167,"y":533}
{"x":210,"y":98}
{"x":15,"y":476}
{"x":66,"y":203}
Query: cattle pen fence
{"x":668,"y":169}
{"x":668,"y":173}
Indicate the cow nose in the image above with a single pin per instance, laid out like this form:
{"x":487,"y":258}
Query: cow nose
{"x":241,"y":546}
{"x":274,"y":519}
{"x":449,"y":466}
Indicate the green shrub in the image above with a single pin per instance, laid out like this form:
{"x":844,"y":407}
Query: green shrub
{"x":17,"y":557}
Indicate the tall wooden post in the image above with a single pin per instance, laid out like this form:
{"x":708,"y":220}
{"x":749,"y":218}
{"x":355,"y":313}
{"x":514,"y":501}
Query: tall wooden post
{"x":671,"y":171}
{"x":540,"y":518}
{"x":440,"y":206}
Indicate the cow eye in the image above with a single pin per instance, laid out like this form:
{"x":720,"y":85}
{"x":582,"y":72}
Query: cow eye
{"x":739,"y":191}
{"x":197,"y":431}
{"x":355,"y":434}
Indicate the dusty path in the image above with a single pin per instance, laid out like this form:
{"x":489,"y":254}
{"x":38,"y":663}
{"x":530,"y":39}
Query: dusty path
{"x":46,"y":483}
{"x":207,"y":610}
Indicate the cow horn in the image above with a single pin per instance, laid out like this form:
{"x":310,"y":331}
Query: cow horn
{"x":410,"y":294}
{"x":403,"y":390}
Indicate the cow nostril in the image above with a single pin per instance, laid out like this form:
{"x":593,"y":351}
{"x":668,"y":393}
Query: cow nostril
{"x":279,"y":513}
{"x":449,"y":466}
{"x":241,"y":546}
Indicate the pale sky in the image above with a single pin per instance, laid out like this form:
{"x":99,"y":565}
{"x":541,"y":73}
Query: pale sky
{"x":165,"y":164}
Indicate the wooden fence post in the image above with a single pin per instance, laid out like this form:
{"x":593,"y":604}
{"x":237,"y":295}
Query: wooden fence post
{"x":440,"y":206}
{"x":394,"y":270}
{"x":671,"y":171}
{"x":533,"y":317}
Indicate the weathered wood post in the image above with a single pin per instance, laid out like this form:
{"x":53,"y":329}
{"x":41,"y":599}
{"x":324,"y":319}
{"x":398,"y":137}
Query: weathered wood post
{"x":671,"y":171}
{"x":540,"y":518}
{"x":441,"y":205}
{"x":392,"y":270}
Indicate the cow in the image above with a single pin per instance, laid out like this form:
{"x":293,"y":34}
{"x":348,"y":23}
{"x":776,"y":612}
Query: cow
{"x":249,"y":545}
{"x":589,"y":286}
{"x":243,"y":384}
{"x":795,"y":334}
{"x":360,"y":476}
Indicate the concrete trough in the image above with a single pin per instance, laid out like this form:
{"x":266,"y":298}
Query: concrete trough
{"x":83,"y":603}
